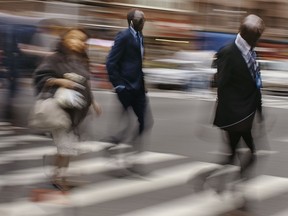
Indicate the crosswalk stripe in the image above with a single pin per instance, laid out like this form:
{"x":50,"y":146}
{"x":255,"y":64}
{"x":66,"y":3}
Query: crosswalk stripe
{"x":264,"y":187}
{"x":258,"y":189}
{"x":26,"y":208}
{"x":8,"y":132}
{"x":38,"y":152}
{"x":28,"y":154}
{"x":82,"y":167}
{"x":282,"y":213}
{"x":243,"y":150}
{"x":165,"y":178}
{"x":207,"y":203}
{"x":23,"y":138}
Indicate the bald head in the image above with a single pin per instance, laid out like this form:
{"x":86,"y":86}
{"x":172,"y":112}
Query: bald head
{"x":136,"y":19}
{"x":251,"y":29}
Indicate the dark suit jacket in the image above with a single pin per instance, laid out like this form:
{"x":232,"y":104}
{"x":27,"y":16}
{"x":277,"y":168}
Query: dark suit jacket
{"x":238,"y":96}
{"x":124,"y":62}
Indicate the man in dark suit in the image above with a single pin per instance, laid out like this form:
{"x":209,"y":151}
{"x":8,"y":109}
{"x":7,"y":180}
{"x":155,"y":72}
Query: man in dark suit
{"x":239,"y":83}
{"x":124,"y":66}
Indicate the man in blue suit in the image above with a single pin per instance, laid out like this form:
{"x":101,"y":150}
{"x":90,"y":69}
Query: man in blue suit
{"x":124,"y":66}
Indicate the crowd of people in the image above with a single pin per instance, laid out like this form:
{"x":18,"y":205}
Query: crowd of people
{"x":238,"y":84}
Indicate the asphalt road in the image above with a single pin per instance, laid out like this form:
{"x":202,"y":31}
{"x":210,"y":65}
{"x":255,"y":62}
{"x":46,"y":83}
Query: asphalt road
{"x":182,"y":123}
{"x":182,"y":127}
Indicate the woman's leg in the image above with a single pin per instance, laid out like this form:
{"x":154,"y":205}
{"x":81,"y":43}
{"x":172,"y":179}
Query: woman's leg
{"x":66,"y":142}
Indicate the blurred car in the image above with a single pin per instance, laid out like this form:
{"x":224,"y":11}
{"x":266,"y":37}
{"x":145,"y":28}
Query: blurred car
{"x":185,"y":70}
{"x":274,"y":75}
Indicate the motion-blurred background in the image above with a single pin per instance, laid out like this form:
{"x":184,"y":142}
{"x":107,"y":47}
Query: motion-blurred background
{"x":176,"y":32}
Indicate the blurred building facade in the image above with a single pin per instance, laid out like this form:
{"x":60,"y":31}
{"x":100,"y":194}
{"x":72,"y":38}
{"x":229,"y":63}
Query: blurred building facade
{"x":171,"y":25}
{"x":186,"y":15}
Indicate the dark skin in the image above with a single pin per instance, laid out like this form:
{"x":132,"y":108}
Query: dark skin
{"x":138,"y":21}
{"x":251,"y":29}
{"x":250,"y":35}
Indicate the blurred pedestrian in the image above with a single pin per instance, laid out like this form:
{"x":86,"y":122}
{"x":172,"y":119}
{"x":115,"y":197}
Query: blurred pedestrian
{"x":67,"y":68}
{"x":239,"y":100}
{"x":124,"y":66}
{"x":239,"y":95}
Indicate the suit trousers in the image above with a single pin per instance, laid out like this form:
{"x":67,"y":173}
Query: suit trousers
{"x":137,"y":101}
{"x":234,"y":134}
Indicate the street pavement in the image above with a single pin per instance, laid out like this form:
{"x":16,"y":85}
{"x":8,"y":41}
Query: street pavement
{"x":183,"y":143}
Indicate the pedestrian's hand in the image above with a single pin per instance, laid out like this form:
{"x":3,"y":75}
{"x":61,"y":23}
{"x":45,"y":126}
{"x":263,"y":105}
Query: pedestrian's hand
{"x":119,"y":88}
{"x":97,"y":108}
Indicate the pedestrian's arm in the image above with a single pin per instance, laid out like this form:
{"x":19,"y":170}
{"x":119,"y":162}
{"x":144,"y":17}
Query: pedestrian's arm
{"x":224,"y":69}
{"x":97,"y":108}
{"x":114,"y":60}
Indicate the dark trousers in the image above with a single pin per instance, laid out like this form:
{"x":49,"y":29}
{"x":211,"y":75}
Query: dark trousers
{"x":233,"y":141}
{"x":234,"y":134}
{"x":136,"y":101}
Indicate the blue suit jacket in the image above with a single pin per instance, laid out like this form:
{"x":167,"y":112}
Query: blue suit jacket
{"x":124,"y":62}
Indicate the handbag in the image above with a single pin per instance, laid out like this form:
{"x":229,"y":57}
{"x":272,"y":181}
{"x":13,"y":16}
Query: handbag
{"x":69,"y":98}
{"x":48,"y":115}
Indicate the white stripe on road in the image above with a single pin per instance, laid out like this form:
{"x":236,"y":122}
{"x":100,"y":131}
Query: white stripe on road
{"x":7,"y":144}
{"x":6,"y":132}
{"x":264,"y":187}
{"x":82,"y":167}
{"x":28,"y":154}
{"x":207,"y":203}
{"x":116,"y":189}
{"x":243,"y":150}
{"x":26,"y":208}
{"x":282,"y":213}
{"x":204,"y":204}
{"x":37,"y":153}
{"x":23,"y":138}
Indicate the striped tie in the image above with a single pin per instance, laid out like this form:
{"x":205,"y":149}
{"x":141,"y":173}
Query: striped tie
{"x":255,"y":69}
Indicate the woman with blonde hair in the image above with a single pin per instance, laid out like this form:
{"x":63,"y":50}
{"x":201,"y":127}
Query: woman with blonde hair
{"x":67,"y":68}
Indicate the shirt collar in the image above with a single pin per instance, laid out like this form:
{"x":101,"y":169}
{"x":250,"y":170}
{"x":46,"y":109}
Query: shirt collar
{"x":243,"y":46}
{"x":132,"y":30}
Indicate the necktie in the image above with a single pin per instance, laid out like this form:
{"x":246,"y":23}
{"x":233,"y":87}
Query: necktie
{"x":255,"y":69}
{"x":139,"y":42}
{"x":138,"y":39}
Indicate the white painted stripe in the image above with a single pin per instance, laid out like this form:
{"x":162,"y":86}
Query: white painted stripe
{"x":120,"y":188}
{"x":204,"y":204}
{"x":6,"y":132}
{"x":258,"y":152}
{"x":202,"y":95}
{"x":278,"y":106}
{"x":5,"y":124}
{"x":7,"y":144}
{"x":25,"y":138}
{"x":38,"y":152}
{"x":207,"y":203}
{"x":83,"y":167}
{"x":282,"y":213}
{"x":264,"y":187}
{"x":26,"y":208}
{"x":260,"y":188}
{"x":30,"y":153}
{"x":4,"y":160}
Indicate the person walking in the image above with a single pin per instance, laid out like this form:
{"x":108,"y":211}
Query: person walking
{"x":239,"y":94}
{"x":67,"y":68}
{"x":124,"y":66}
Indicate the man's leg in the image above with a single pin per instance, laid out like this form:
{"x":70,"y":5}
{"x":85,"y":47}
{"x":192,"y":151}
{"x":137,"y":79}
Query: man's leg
{"x":121,"y":121}
{"x":233,"y":140}
{"x":249,"y":161}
